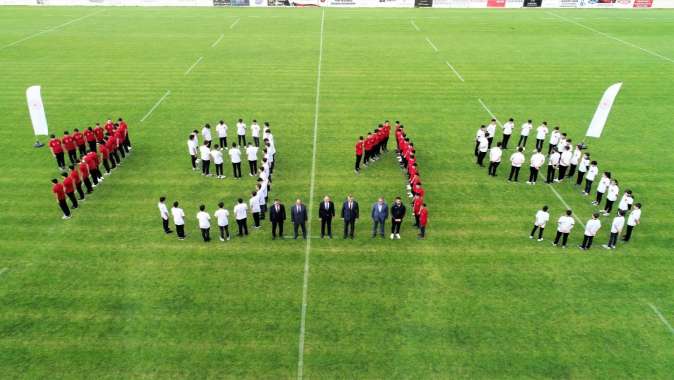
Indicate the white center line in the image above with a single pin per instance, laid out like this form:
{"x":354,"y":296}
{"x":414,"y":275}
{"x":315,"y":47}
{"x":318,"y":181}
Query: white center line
{"x":51,"y":29}
{"x":193,"y":65}
{"x":662,"y":317}
{"x":432,"y":45}
{"x":234,"y":23}
{"x":454,"y":70}
{"x":415,"y":26}
{"x":613,"y":38}
{"x":307,"y":250}
{"x":218,"y":40}
{"x":168,"y":92}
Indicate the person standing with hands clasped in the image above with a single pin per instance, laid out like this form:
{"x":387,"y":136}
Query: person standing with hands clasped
{"x":495,"y":154}
{"x":564,"y":226}
{"x":164,"y":213}
{"x":616,"y":227}
{"x":277,"y":215}
{"x":397,"y":215}
{"x":541,"y":218}
{"x":298,"y":216}
{"x":632,"y":221}
{"x":241,"y":214}
{"x":517,"y":159}
{"x":204,"y":223}
{"x":591,"y":228}
{"x":350,"y":213}
{"x":326,"y":211}
{"x":379,"y":216}
{"x":178,"y":220}
{"x":222,"y":215}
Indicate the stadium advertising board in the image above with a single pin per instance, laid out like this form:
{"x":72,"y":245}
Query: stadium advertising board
{"x":372,"y":3}
{"x":460,"y":3}
{"x":532,"y":3}
{"x":258,"y":3}
{"x":643,"y":3}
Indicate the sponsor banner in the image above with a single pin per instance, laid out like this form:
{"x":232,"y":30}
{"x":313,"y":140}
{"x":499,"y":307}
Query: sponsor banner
{"x":459,"y":3}
{"x":532,"y":3}
{"x":514,"y":3}
{"x":149,"y":3}
{"x":496,"y":3}
{"x":643,"y":3}
{"x":663,"y":3}
{"x":36,"y":110}
{"x":372,"y":3}
{"x":309,"y":3}
{"x":603,"y":109}
{"x":605,"y":3}
{"x":258,"y":3}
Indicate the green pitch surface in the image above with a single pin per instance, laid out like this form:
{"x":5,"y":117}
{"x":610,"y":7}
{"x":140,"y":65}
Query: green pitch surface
{"x":108,"y":295}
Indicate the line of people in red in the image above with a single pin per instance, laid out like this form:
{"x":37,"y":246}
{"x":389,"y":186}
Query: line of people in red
{"x":408,"y":162}
{"x":107,"y":145}
{"x":370,"y":148}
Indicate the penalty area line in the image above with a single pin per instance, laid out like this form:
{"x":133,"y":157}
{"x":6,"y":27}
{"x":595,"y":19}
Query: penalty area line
{"x":415,"y":26}
{"x":454,"y":70}
{"x":432,"y":44}
{"x":168,"y":92}
{"x":218,"y":40}
{"x":193,"y":65}
{"x":662,"y":317}
{"x":234,"y":23}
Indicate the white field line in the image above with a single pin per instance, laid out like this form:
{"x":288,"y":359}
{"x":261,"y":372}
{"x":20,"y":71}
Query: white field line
{"x":307,"y":250}
{"x":662,"y":318}
{"x":168,"y":92}
{"x":193,"y":65}
{"x":2,"y":270}
{"x":415,"y":26}
{"x":670,"y":60}
{"x":489,"y":112}
{"x":566,"y":205}
{"x":234,"y":23}
{"x":50,"y":29}
{"x":454,"y":70}
{"x":218,"y":40}
{"x":432,"y":44}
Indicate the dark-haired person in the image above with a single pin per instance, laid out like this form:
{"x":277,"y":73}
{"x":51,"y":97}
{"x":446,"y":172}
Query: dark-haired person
{"x":611,"y":196}
{"x":616,"y":227}
{"x":516,"y":160}
{"x":221,"y":130}
{"x":80,"y":141}
{"x":77,"y":180}
{"x":397,"y":215}
{"x":536,"y":162}
{"x":277,"y":215}
{"x":164,"y":214}
{"x":583,"y":167}
{"x":491,"y":132}
{"x":553,"y":163}
{"x":193,"y":150}
{"x":125,"y":131}
{"x":483,"y":147}
{"x":69,"y":188}
{"x":251,"y":154}
{"x":90,"y":137}
{"x":105,"y":155}
{"x":299,"y":217}
{"x":84,"y":173}
{"x":555,"y":137}
{"x":564,"y":163}
{"x":541,"y":218}
{"x":524,"y":133}
{"x":241,"y":132}
{"x":564,"y":225}
{"x":222,"y":215}
{"x":241,"y":215}
{"x":205,"y":155}
{"x":216,"y":155}
{"x":178,"y":220}
{"x":204,"y":219}
{"x":118,"y":135}
{"x":70,"y":147}
{"x":590,"y":175}
{"x":423,"y":221}
{"x":99,"y":132}
{"x":604,"y":182}
{"x":235,"y":157}
{"x":360,"y":148}
{"x":478,"y":135}
{"x":632,"y":221}
{"x":495,"y":154}
{"x":326,"y":211}
{"x":254,"y":203}
{"x":541,"y":132}
{"x":56,"y":147}
{"x":206,"y":134}
{"x":60,"y":194}
{"x":255,"y":133}
{"x":368,"y":145}
{"x":507,"y":132}
{"x":591,"y":228}
{"x":93,"y":161}
{"x":576,"y":158}
{"x":350,"y":214}
{"x":417,"y":202}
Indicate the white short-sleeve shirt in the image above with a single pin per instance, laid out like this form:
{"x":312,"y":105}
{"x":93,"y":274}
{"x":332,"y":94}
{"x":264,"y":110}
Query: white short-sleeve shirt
{"x":542,"y":217}
{"x":241,"y":211}
{"x":204,"y":219}
{"x":235,"y":155}
{"x":251,"y":153}
{"x":222,"y":130}
{"x":222,"y":215}
{"x":178,"y":216}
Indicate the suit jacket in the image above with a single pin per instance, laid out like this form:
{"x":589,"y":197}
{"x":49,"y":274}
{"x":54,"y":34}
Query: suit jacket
{"x":350,"y":214}
{"x":277,"y":216}
{"x":397,"y":212}
{"x":326,"y":214}
{"x":300,"y":216}
{"x":379,"y":216}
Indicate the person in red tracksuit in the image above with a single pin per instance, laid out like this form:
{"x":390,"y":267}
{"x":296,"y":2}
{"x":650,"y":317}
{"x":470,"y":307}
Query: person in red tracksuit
{"x":60,"y":194}
{"x":423,"y":221}
{"x":360,"y":147}
{"x":80,"y":141}
{"x":109,"y":127}
{"x":77,"y":179}
{"x":71,"y":148}
{"x":84,"y":171}
{"x":418,"y":190}
{"x":387,"y":132}
{"x":69,"y":188}
{"x":105,"y":154}
{"x":92,"y":161}
{"x":368,"y":149}
{"x":416,"y":208}
{"x":125,"y":129}
{"x":99,"y":133}
{"x":56,"y":147}
{"x":119,"y":141}
{"x":114,"y":157}
{"x":91,"y":138}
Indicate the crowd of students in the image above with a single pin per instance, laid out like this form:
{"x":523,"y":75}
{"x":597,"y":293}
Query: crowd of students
{"x":566,"y":161}
{"x":86,"y":151}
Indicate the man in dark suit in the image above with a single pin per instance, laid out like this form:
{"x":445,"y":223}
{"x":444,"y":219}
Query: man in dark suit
{"x":326,"y":211}
{"x":379,"y":216}
{"x":298,"y":215}
{"x":277,"y":215}
{"x":350,"y":213}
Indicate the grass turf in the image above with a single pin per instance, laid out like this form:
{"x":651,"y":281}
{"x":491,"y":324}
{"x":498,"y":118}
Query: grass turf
{"x":107,"y":295}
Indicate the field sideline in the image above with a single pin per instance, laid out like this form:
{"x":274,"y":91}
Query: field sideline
{"x":108,"y":295}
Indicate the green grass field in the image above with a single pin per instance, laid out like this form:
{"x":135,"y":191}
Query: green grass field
{"x":108,"y":295}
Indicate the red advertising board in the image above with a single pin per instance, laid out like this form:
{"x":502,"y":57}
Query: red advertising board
{"x":497,"y":3}
{"x":643,"y":3}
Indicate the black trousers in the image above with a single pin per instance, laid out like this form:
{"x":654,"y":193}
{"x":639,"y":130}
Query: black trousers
{"x":514,"y":173}
{"x":256,"y":219}
{"x":480,"y":158}
{"x":489,"y":140}
{"x":492,"y":168}
{"x":522,"y":141}
{"x":579,"y":178}
{"x":395,"y":226}
{"x":92,"y":146}
{"x":60,"y":160}
{"x":628,"y":233}
{"x":224,"y":232}
{"x":587,"y":242}
{"x":180,"y":231}
{"x":64,"y":207}
{"x":358,"y":158}
{"x":572,"y":170}
{"x":223,"y":142}
{"x":73,"y":200}
{"x":539,"y":145}
{"x":206,"y":234}
{"x":206,"y":167}
{"x":550,"y":146}
{"x":165,"y":225}
{"x":562,"y":172}
{"x":540,"y":231}
{"x":106,"y":165}
{"x":326,"y":224}
{"x":504,"y":142}
{"x":277,"y":226}
{"x":256,"y":141}
{"x":127,"y":141}
{"x":422,"y":231}
{"x":218,"y":169}
{"x":297,"y":226}
{"x":588,"y":186}
{"x":242,"y":140}
{"x":368,"y":154}
{"x":599,"y":197}
{"x":115,"y":155}
{"x":72,"y":155}
{"x":252,"y":165}
{"x":121,"y":151}
{"x":82,"y":149}
{"x":384,"y":144}
{"x":78,"y":187}
{"x":612,"y":239}
{"x":533,"y":174}
{"x":194,"y":161}
{"x":87,"y":184}
{"x":243,"y":226}
{"x":477,"y":145}
{"x":550,"y":174}
{"x":563,"y":235}
{"x":236,"y":168}
{"x":349,"y":228}
{"x":609,"y":206}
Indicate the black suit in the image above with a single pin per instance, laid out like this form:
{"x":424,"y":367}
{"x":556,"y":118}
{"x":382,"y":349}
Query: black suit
{"x":326,"y":215}
{"x":277,"y":218}
{"x":397,"y":215}
{"x":350,"y":213}
{"x":298,"y":215}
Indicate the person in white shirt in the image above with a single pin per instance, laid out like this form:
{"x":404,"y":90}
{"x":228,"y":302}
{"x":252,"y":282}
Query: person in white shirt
{"x":626,"y":201}
{"x":541,"y":132}
{"x":516,"y":161}
{"x":216,"y":154}
{"x":491,"y":132}
{"x":222,"y":215}
{"x":254,"y":203}
{"x":206,"y":134}
{"x":261,"y":189}
{"x":553,"y":163}
{"x":221,"y":129}
{"x":555,"y":136}
{"x":495,"y":154}
{"x":241,"y":132}
{"x":524,"y":133}
{"x":271,"y":150}
{"x":193,"y":148}
{"x":591,"y":174}
{"x":611,"y":196}
{"x":255,"y":132}
{"x":235,"y":157}
{"x":632,"y":221}
{"x":205,"y":154}
{"x":480,"y":133}
{"x":564,"y":162}
{"x":241,"y":215}
{"x":541,"y":218}
{"x":164,"y":213}
{"x":616,"y":227}
{"x":251,"y":153}
{"x":195,"y":133}
{"x":604,"y":182}
{"x":483,"y":146}
{"x":564,"y":226}
{"x":575,"y":160}
{"x":536,"y":162}
{"x":507,"y":132}
{"x":583,"y":166}
{"x":591,"y":228}
{"x":178,"y":220}
{"x":563,"y":143}
{"x":204,"y":223}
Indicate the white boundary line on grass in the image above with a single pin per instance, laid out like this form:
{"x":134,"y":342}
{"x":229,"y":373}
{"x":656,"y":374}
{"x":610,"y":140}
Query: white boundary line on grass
{"x":415,"y":26}
{"x":662,"y":317}
{"x":454,"y":70}
{"x":670,"y":60}
{"x":234,"y":23}
{"x":194,"y":65}
{"x":50,"y":29}
{"x":432,"y":44}
{"x":307,"y":250}
{"x":489,"y":111}
{"x":168,"y":92}
{"x":218,"y":40}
